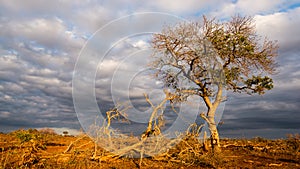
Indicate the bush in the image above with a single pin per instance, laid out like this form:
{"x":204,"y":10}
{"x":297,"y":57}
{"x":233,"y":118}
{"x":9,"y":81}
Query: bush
{"x":24,"y":137}
{"x":30,"y":135}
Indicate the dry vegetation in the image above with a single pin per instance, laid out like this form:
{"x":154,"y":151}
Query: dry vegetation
{"x":45,"y":149}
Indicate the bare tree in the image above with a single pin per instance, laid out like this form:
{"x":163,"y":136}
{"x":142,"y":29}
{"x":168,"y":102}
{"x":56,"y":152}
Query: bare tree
{"x":212,"y":57}
{"x":152,"y":127}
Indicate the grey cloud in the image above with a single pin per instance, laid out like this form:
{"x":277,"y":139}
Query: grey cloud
{"x":278,"y":109}
{"x":40,"y":41}
{"x":37,"y":75}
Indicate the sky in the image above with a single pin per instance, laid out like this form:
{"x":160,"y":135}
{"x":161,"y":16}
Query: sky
{"x":41,"y":41}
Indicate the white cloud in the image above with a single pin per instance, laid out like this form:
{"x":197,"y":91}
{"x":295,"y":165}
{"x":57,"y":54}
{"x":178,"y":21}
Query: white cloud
{"x":107,"y":67}
{"x":41,"y":33}
{"x":281,"y":26}
{"x":258,"y":6}
{"x":251,"y":7}
{"x":180,"y":7}
{"x":16,"y":5}
{"x":10,"y":63}
{"x":141,"y":44}
{"x":92,"y":18}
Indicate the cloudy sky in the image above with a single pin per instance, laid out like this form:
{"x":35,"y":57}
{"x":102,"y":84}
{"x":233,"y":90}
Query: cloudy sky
{"x":41,"y":40}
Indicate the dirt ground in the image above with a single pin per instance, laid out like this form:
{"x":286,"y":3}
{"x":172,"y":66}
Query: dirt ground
{"x":35,"y":149}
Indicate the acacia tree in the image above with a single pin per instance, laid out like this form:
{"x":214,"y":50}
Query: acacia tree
{"x":214,"y":56}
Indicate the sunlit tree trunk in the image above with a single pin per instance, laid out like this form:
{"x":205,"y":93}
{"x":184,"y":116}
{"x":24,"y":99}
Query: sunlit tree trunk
{"x":210,"y":119}
{"x":215,"y":140}
{"x":214,"y":134}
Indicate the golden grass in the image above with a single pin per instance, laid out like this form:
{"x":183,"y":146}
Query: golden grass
{"x":45,"y":150}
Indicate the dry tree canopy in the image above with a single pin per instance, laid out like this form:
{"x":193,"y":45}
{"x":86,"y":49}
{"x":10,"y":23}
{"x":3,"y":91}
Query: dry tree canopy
{"x":245,"y":58}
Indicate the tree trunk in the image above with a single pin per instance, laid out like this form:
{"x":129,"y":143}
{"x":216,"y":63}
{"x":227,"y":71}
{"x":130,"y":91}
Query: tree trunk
{"x":214,"y":134}
{"x":214,"y":137}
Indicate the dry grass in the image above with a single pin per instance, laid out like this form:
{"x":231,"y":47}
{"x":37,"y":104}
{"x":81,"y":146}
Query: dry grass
{"x":33,"y":149}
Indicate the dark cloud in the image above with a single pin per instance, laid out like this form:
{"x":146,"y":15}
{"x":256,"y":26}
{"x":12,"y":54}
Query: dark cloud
{"x":278,"y":111}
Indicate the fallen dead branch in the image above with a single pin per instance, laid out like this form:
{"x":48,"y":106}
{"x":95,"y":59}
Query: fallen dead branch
{"x":72,"y":143}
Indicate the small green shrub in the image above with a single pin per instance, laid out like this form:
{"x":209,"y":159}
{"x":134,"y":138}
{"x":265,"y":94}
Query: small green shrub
{"x":24,"y":137}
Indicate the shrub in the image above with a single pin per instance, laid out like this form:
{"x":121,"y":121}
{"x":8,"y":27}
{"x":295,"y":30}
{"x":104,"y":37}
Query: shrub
{"x":24,"y":137}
